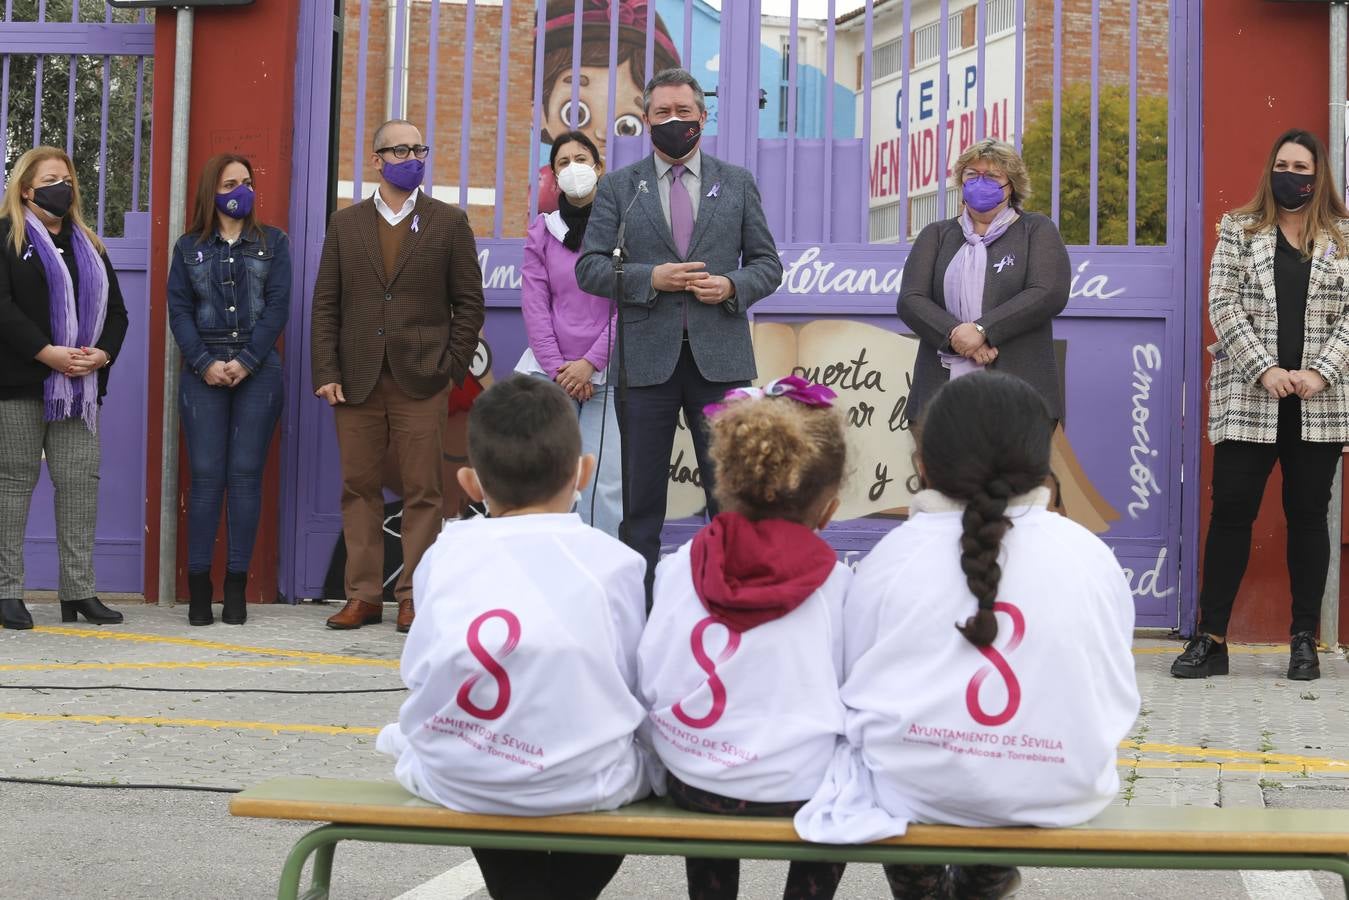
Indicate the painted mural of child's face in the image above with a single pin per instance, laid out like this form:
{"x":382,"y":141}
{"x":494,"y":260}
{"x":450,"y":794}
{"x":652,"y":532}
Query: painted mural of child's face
{"x":589,"y":116}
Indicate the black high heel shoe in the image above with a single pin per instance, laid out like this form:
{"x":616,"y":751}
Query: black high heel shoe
{"x":14,"y":615}
{"x":93,"y":610}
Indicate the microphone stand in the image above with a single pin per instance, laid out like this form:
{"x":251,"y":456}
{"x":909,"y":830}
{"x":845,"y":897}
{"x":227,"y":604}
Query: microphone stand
{"x":620,"y":351}
{"x":621,"y":396}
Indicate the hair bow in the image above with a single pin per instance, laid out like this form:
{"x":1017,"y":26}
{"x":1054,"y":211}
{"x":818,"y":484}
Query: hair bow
{"x":793,"y":387}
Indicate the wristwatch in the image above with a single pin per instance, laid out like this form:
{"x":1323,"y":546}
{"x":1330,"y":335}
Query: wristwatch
{"x":979,"y":328}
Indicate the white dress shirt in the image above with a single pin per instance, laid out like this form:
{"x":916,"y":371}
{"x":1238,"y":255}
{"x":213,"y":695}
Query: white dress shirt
{"x":387,"y":211}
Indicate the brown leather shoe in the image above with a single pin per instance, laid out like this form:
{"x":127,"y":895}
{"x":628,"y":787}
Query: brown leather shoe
{"x":405,"y":616}
{"x":355,"y":614}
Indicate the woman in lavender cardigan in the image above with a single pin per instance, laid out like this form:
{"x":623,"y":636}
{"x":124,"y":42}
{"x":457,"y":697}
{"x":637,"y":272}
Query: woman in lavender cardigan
{"x":571,"y":332}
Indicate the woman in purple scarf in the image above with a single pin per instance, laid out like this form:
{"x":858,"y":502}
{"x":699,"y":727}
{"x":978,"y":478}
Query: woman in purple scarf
{"x":982,"y":290}
{"x":62,"y":321}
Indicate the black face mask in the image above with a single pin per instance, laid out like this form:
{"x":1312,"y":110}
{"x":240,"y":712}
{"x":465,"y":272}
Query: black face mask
{"x":676,"y":138}
{"x":55,"y":198}
{"x":1291,"y":189}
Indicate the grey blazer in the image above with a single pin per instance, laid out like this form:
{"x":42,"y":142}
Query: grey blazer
{"x":1020,"y":303}
{"x":730,"y":235}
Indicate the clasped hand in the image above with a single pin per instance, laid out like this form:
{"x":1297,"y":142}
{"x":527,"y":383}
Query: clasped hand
{"x":74,"y":362}
{"x":971,"y":343}
{"x":225,"y":374}
{"x":692,"y":277}
{"x":1306,"y":383}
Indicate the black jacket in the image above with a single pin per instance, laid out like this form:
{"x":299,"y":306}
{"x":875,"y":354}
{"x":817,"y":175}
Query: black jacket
{"x":25,"y":320}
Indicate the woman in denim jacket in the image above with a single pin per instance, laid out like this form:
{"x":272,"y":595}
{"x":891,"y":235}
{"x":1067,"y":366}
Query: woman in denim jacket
{"x":229,"y":298}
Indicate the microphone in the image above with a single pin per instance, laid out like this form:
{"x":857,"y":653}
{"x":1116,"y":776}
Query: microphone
{"x":623,"y":220}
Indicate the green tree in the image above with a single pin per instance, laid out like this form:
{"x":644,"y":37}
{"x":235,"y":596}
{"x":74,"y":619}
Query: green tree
{"x":87,"y":135}
{"x":1112,"y":172}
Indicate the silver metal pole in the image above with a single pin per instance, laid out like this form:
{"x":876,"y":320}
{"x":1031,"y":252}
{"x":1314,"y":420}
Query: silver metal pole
{"x":168,"y":478}
{"x":1339,"y":34}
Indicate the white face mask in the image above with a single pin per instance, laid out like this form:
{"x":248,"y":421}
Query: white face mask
{"x":578,"y":180}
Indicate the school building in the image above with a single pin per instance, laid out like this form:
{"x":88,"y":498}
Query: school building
{"x":1141,"y":123}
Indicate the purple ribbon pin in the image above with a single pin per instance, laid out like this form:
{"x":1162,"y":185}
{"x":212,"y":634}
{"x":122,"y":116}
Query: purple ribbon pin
{"x":416,"y":222}
{"x":716,"y":190}
{"x":1006,"y":262}
{"x":29,"y":252}
{"x":198,"y":256}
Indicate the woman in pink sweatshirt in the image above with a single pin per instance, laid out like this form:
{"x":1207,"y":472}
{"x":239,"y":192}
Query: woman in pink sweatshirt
{"x":571,"y":333}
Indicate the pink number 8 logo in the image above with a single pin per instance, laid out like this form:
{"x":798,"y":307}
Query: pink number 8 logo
{"x":492,"y":665}
{"x":709,"y":665}
{"x":1000,"y":664}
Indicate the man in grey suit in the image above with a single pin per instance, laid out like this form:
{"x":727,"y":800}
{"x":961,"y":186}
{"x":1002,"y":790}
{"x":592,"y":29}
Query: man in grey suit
{"x":699,"y":255}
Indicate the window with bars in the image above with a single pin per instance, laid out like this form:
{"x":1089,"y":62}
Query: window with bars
{"x":923,"y":210}
{"x":927,"y":39}
{"x":999,"y":16}
{"x":883,"y":226}
{"x":887,"y":59}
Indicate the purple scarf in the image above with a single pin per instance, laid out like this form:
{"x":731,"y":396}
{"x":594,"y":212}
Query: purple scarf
{"x":77,"y":321}
{"x":964,"y":281}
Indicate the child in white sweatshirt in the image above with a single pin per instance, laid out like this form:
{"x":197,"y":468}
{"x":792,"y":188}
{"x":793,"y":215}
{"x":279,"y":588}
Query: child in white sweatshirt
{"x":521,"y":665}
{"x":741,"y":661}
{"x":1013,"y":715}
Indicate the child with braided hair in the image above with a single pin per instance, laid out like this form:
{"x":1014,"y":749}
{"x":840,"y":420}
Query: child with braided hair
{"x":1013,"y":716}
{"x":742,"y":656}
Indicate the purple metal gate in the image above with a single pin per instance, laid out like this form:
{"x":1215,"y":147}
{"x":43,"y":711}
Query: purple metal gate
{"x":79,"y":77}
{"x":864,"y":107}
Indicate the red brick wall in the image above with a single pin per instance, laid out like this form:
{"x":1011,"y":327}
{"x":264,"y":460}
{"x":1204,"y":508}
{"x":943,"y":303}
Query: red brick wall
{"x":1153,"y":48}
{"x":449,"y":93}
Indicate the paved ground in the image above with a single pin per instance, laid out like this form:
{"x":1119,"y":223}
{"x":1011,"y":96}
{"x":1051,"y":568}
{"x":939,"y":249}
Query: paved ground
{"x":89,"y":705}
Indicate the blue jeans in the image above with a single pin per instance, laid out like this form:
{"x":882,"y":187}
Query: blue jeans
{"x":228,"y":431}
{"x":605,"y":490}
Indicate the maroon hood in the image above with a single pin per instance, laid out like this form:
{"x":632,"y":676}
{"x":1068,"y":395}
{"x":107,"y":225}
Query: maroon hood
{"x":748,"y":573}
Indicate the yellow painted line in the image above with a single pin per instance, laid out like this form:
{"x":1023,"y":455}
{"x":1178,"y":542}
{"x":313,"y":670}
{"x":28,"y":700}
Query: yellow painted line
{"x":1249,"y":649}
{"x":157,"y":721}
{"x":322,"y":658}
{"x":1217,"y":753}
{"x":113,"y":667}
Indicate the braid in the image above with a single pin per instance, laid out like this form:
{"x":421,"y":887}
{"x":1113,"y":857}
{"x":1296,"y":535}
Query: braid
{"x":984,"y":524}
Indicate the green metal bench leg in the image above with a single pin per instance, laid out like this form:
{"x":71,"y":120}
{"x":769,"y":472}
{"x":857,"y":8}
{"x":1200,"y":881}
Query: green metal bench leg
{"x":321,"y":844}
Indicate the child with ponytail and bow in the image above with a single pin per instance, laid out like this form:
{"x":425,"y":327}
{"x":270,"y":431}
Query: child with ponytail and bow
{"x":742,"y":656}
{"x":989,"y":672}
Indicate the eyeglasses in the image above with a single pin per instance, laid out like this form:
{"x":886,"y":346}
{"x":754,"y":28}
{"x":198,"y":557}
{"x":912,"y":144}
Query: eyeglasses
{"x":402,"y":151}
{"x":970,"y":174}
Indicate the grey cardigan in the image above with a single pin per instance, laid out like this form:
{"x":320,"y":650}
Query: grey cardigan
{"x":1020,"y":303}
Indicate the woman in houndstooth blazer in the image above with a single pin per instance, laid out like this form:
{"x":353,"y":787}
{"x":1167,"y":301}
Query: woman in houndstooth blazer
{"x":1277,"y":391}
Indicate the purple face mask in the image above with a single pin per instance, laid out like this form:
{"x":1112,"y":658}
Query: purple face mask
{"x":982,"y":193}
{"x":237,"y":204}
{"x":406,"y":175}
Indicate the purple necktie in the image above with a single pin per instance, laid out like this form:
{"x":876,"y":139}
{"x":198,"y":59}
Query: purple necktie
{"x":681,"y":210}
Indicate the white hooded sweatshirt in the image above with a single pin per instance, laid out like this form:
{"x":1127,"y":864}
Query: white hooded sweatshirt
{"x":1024,"y":732}
{"x":762,"y":724}
{"x":521,"y":668}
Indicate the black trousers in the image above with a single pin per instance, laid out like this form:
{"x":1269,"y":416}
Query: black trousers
{"x":1240,"y":471}
{"x":719,"y":879}
{"x":648,"y":427}
{"x":545,"y":875}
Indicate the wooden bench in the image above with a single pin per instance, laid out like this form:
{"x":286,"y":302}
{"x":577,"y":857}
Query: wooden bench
{"x":1120,"y":838}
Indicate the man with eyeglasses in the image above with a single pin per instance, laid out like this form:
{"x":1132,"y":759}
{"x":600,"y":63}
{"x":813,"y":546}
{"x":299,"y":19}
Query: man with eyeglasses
{"x":397,"y":309}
